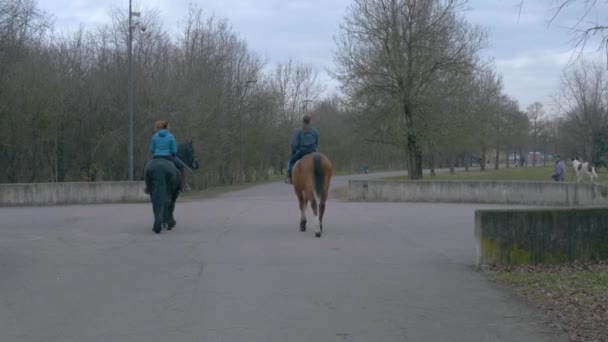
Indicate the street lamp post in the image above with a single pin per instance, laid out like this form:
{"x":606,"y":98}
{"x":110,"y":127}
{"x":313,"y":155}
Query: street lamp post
{"x":132,"y":26}
{"x":241,"y":167}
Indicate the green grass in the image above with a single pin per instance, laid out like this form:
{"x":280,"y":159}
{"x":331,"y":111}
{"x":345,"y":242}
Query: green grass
{"x":574,"y":296}
{"x":562,"y":282}
{"x":511,"y":174}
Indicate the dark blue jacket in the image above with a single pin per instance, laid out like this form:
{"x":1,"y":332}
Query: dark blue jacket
{"x":163,"y":144}
{"x":305,"y":141}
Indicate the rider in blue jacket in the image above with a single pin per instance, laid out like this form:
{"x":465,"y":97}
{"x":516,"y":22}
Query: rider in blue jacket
{"x":163,"y":145}
{"x":305,"y":140}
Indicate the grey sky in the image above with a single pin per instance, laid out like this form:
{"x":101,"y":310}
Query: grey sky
{"x":529,"y":53}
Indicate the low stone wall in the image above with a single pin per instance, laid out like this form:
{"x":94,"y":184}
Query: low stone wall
{"x":36,"y":194}
{"x":541,"y":236}
{"x":495,"y":192}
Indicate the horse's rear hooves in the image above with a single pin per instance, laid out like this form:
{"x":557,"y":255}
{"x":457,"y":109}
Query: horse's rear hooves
{"x":171,"y":225}
{"x":302,"y":226}
{"x":318,"y":234}
{"x":157,"y":228}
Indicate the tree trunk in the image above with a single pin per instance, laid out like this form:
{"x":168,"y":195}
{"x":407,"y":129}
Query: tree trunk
{"x":497,"y":159}
{"x":521,"y":156}
{"x":467,"y":162}
{"x":452,"y":160}
{"x":414,"y":154}
{"x":534,"y":153}
{"x":432,"y":162}
{"x":545,"y":152}
{"x":482,"y":162}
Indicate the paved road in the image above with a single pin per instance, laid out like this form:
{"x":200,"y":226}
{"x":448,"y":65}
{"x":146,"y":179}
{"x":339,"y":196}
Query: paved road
{"x":237,"y":269}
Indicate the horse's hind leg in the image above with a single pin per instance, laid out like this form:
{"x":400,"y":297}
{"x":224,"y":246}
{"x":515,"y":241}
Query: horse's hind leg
{"x":302,"y":202}
{"x":322,"y":210}
{"x":171,"y":221}
{"x":315,"y":210}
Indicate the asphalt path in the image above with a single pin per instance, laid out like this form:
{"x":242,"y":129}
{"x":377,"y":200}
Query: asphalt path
{"x":236,"y":268}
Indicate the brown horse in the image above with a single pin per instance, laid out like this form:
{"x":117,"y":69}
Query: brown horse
{"x":311,"y":177}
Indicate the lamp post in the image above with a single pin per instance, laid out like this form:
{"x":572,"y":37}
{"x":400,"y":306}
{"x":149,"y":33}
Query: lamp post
{"x":132,"y":26}
{"x":242,"y":173}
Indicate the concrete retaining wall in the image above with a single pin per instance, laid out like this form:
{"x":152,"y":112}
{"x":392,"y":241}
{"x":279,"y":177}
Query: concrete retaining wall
{"x":496,"y":192}
{"x":71,"y":193}
{"x":510,"y":237}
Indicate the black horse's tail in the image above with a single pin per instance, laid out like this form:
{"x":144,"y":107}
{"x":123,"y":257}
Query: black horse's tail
{"x":318,"y":175}
{"x":158,"y":196}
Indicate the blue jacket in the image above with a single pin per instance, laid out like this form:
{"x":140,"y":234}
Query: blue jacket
{"x":163,"y":144}
{"x":305,"y":141}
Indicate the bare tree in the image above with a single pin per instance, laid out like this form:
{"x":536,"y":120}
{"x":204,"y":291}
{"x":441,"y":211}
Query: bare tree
{"x":63,"y":97}
{"x":536,"y":113}
{"x":486,"y":91}
{"x":587,"y":27}
{"x":389,"y":51}
{"x":582,"y":100}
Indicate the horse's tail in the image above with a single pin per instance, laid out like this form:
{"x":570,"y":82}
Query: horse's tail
{"x":158,"y":195}
{"x":318,"y":175}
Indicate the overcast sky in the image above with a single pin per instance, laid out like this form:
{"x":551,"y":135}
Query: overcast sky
{"x":528,"y":52}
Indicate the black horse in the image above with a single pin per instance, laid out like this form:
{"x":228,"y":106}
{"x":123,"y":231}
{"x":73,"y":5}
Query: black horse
{"x":163,"y":180}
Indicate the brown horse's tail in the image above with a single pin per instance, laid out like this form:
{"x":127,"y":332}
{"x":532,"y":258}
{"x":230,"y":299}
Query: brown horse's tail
{"x":318,"y":175}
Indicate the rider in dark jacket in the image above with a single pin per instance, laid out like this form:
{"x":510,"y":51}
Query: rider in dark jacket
{"x":305,"y":140}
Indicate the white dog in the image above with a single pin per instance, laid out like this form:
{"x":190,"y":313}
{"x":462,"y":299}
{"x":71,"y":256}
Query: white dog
{"x":579,"y":168}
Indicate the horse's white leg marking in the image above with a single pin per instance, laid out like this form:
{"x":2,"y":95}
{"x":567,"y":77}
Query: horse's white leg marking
{"x":317,"y":221}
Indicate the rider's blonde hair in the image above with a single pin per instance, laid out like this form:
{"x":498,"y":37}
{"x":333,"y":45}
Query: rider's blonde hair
{"x":161,"y":124}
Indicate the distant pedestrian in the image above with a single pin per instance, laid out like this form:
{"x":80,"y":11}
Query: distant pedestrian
{"x":559,"y":172}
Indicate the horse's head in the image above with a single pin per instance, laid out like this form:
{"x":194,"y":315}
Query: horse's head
{"x":185,"y":152}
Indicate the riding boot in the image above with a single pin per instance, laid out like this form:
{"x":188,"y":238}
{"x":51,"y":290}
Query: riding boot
{"x":183,"y":185}
{"x":288,"y":179}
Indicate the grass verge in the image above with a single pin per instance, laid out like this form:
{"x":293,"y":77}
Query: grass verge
{"x":509,"y":174}
{"x":574,"y":296}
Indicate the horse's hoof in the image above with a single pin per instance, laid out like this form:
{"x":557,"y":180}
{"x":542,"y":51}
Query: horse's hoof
{"x":157,"y":228}
{"x":318,"y":234}
{"x":171,"y":224}
{"x":302,"y":226}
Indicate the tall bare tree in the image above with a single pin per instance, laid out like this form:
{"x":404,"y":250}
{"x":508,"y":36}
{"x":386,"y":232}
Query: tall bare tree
{"x":536,"y":113}
{"x":389,"y":51}
{"x":583,"y":103}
